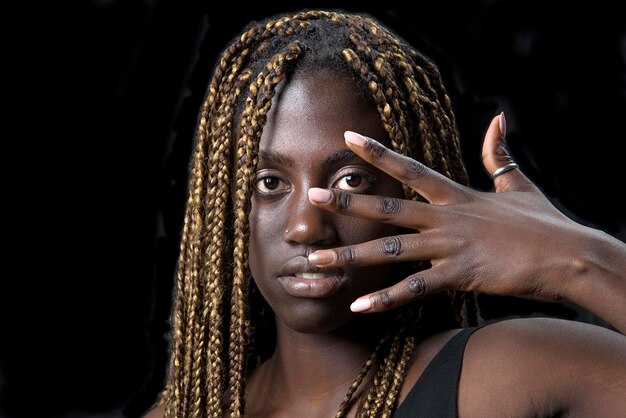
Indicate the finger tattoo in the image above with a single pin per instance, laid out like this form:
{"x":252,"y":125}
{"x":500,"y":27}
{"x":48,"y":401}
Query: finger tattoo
{"x":417,"y":286}
{"x":415,"y":170}
{"x":376,"y":149}
{"x":386,"y":299}
{"x":392,"y":246}
{"x":343,"y":200}
{"x":501,"y":150}
{"x":390,"y":206}
{"x":348,"y":254}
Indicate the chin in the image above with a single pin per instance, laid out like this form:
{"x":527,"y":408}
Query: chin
{"x":315,"y":316}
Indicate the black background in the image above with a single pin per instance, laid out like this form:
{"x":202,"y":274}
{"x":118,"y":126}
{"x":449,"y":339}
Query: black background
{"x":105,"y":134}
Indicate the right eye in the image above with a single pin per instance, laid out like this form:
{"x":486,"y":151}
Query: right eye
{"x":268,"y":185}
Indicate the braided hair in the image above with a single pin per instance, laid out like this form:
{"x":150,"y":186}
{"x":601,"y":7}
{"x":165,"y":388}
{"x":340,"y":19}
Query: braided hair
{"x":212,"y":319}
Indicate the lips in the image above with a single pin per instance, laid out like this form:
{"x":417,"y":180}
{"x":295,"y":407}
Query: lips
{"x":311,"y":275}
{"x":301,"y":279}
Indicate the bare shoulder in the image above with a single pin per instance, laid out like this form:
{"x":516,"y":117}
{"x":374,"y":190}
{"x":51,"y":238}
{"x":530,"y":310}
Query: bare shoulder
{"x":524,"y":335}
{"x":542,"y":366}
{"x":156,"y":412}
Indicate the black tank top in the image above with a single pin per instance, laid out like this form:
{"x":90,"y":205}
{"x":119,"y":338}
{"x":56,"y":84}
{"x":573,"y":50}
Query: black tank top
{"x":435,"y":393}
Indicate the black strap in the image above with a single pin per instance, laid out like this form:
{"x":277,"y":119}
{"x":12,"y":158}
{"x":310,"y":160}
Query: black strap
{"x":435,"y":393}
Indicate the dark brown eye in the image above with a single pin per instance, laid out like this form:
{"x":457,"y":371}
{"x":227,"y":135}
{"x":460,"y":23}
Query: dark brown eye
{"x":270,"y":183}
{"x":351,"y":182}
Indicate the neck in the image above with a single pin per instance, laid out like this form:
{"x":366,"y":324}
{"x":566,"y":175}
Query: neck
{"x":318,"y":369}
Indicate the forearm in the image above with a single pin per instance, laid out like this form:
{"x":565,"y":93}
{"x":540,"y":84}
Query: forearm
{"x":599,"y":280}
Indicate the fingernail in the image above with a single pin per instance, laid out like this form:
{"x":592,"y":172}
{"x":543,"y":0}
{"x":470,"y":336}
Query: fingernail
{"x":361,"y":305}
{"x":320,"y":195}
{"x":354,"y":138}
{"x":502,"y":125}
{"x":322,"y":257}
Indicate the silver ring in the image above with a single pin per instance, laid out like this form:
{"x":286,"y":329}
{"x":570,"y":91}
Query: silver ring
{"x":504,"y":169}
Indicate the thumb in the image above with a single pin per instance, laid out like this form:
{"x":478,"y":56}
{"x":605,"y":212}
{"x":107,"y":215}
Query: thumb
{"x":497,"y":160}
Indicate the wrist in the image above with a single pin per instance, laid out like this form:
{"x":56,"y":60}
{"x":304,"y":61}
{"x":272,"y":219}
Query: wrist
{"x":598,"y":277}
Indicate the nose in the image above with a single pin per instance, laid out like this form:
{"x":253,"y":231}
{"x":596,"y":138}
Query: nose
{"x":309,"y":225}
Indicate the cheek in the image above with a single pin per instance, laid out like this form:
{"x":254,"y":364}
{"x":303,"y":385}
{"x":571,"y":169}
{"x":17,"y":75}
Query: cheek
{"x":354,"y":230}
{"x":265,"y":231}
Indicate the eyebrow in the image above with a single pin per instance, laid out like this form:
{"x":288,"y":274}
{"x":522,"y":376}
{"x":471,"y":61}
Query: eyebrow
{"x":339,"y":156}
{"x":275,"y":158}
{"x":335,"y":157}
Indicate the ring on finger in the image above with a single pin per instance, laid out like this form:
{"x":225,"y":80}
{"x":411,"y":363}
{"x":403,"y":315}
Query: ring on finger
{"x":507,"y":167}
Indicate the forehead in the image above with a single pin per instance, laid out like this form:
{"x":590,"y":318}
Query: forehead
{"x":315,"y":110}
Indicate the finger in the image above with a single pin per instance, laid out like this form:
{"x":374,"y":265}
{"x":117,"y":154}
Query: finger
{"x":406,"y":247}
{"x":497,"y":160}
{"x":435,"y":187}
{"x":390,"y":210}
{"x":412,"y":288}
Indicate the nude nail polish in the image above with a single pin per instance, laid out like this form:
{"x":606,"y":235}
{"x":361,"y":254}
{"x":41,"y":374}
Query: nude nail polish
{"x":361,"y":305}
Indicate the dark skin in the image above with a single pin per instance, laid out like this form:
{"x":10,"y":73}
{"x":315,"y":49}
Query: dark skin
{"x":509,"y":242}
{"x":302,"y":147}
{"x":317,"y":355}
{"x":321,"y":344}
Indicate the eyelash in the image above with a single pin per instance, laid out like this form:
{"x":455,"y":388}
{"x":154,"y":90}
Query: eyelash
{"x":370,"y":180}
{"x":270,"y":194}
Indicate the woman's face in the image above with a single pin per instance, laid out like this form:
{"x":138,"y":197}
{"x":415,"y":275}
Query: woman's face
{"x":302,"y":147}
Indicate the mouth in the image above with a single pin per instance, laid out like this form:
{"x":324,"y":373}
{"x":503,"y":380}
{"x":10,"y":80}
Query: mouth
{"x":301,"y":279}
{"x":311,"y":275}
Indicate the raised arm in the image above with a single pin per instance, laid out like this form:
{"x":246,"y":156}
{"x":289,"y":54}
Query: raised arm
{"x":513,"y":241}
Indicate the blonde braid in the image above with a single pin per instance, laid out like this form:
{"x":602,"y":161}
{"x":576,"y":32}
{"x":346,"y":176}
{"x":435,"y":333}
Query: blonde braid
{"x":187,"y":281}
{"x":410,"y":62}
{"x":399,"y":134}
{"x":220,"y":164}
{"x":440,"y":108}
{"x":346,"y":403}
{"x":385,"y":373}
{"x":392,"y":116}
{"x":253,"y":119}
{"x":399,"y":373}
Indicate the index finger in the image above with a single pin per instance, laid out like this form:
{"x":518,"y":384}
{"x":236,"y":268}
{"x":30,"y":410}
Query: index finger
{"x":435,"y":187}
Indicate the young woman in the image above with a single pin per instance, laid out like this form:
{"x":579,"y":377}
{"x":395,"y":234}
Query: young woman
{"x":331,"y":249}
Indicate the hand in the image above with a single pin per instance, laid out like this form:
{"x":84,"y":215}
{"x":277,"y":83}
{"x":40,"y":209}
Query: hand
{"x":513,"y":241}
